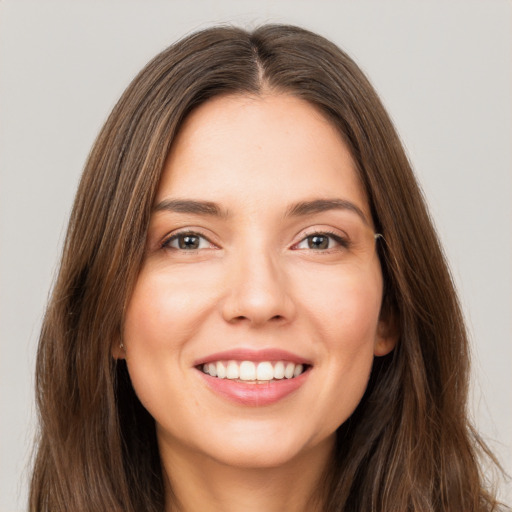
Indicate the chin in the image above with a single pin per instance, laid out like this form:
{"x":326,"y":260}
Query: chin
{"x":254,"y":457}
{"x":266,"y":449}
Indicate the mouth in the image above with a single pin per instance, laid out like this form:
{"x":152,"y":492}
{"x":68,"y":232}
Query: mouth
{"x":253,"y":372}
{"x":254,"y":377}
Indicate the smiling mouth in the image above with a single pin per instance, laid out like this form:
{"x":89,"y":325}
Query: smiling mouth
{"x":250,"y":372}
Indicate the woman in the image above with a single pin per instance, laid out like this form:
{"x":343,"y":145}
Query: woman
{"x":253,"y":311}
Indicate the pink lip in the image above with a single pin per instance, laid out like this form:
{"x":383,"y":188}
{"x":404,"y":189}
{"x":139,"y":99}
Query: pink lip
{"x":243,"y":354}
{"x":254,"y":394}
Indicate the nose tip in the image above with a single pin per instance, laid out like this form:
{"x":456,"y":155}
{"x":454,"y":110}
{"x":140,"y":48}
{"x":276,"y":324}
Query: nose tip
{"x":254,"y":310}
{"x":258,"y":294}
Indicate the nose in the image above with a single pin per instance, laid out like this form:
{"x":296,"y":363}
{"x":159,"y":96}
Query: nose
{"x":258,"y":292}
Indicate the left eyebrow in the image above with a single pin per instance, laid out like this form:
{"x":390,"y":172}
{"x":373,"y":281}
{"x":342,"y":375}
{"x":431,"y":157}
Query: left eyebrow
{"x":323,"y":205}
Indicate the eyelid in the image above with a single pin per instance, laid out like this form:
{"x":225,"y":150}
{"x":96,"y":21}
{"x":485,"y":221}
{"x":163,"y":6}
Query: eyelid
{"x":173,"y":235}
{"x":340,"y":238}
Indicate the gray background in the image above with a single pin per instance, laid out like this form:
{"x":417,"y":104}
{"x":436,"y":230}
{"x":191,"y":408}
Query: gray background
{"x":442,"y":68}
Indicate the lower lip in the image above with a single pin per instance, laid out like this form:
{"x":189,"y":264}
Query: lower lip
{"x":255,"y":395}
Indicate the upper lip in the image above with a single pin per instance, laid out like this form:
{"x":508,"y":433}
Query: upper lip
{"x":247,"y":354}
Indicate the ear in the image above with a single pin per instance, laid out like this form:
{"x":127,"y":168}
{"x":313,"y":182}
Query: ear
{"x":118,"y":350}
{"x":387,"y":333}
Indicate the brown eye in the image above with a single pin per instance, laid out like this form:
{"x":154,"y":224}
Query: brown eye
{"x":321,"y":242}
{"x":187,"y":242}
{"x":318,"y":242}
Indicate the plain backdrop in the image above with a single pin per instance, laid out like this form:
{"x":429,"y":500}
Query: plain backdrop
{"x":442,"y":68}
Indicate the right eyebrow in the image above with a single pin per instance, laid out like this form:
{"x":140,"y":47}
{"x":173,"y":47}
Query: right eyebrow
{"x":190,"y":206}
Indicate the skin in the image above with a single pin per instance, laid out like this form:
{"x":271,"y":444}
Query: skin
{"x":255,"y":283}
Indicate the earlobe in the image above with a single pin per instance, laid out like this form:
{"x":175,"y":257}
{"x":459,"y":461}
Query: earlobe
{"x":384,"y":345}
{"x":118,"y":350}
{"x":387,"y":335}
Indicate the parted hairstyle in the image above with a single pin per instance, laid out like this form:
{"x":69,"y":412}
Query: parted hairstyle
{"x":407,"y":447}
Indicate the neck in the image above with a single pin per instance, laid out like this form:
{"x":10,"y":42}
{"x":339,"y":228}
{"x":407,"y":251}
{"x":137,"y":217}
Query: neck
{"x":198,"y":482}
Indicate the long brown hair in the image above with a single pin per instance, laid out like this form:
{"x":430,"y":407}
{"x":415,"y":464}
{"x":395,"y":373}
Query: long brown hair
{"x":408,"y":446}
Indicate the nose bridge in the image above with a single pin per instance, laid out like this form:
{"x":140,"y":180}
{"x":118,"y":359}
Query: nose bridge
{"x":258,"y":286}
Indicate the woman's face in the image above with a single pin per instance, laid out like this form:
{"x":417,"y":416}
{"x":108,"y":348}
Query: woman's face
{"x":260,"y":265}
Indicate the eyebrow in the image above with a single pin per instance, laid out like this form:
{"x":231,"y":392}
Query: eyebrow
{"x":299,"y":209}
{"x":322,"y":205}
{"x":190,"y":206}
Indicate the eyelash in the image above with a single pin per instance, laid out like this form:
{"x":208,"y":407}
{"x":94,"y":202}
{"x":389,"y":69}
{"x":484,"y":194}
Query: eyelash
{"x":166,"y":243}
{"x":341,"y":241}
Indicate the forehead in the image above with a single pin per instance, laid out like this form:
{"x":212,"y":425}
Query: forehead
{"x":266,"y":149}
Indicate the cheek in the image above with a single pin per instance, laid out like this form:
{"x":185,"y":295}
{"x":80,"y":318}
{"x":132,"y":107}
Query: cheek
{"x":344,"y":312}
{"x":161,"y":316}
{"x":165,"y":307}
{"x":345,"y":304}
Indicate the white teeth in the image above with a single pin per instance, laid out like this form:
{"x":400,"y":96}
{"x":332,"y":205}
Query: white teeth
{"x":263,"y":371}
{"x":288,"y":371}
{"x":279,"y":370}
{"x":232,"y":371}
{"x":247,"y":370}
{"x":212,"y":369}
{"x":221,"y":370}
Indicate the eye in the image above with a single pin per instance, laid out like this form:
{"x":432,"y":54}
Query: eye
{"x":321,"y":242}
{"x":187,"y":241}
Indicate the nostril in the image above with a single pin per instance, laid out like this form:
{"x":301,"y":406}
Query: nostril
{"x":241,"y":318}
{"x":249,"y":305}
